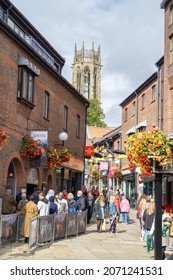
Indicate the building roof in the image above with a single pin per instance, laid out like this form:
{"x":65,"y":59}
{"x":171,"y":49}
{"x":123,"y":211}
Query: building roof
{"x":139,"y":89}
{"x":164,"y":4}
{"x":93,"y":131}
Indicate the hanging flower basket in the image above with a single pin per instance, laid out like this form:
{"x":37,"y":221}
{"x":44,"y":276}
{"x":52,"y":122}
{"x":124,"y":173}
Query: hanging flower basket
{"x":95,"y":174}
{"x":144,"y":147}
{"x":3,"y":138}
{"x":30,"y":147}
{"x":117,"y":174}
{"x":56,"y":156}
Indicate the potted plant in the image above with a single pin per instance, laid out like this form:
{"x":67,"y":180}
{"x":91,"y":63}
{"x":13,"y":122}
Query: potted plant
{"x":56,"y":156}
{"x":117,"y":174}
{"x":144,"y":147}
{"x":3,"y":138}
{"x":30,"y":147}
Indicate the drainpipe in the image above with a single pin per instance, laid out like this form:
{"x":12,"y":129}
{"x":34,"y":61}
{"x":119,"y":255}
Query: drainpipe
{"x":136,"y":111}
{"x":158,"y":98}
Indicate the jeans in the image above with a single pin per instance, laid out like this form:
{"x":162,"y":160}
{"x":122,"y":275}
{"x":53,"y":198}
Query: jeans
{"x":124,"y":217}
{"x":112,"y":209}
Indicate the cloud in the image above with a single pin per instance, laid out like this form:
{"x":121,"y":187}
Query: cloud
{"x":130,"y":34}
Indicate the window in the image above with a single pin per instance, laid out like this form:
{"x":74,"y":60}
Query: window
{"x":143,"y":101}
{"x":46,"y":106}
{"x":134,"y":108}
{"x":26,"y":85}
{"x":78,"y":127}
{"x":153,"y":93}
{"x":65,"y":117}
{"x":171,"y":50}
{"x":125,"y":114}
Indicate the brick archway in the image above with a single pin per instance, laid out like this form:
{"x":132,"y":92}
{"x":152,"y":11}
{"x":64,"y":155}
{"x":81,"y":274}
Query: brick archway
{"x":16,"y":159}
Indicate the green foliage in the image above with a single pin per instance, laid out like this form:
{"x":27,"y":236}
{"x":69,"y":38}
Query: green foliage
{"x":95,"y":114}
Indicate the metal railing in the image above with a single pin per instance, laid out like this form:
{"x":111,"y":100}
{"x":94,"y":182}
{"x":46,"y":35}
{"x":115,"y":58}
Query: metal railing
{"x":43,"y":229}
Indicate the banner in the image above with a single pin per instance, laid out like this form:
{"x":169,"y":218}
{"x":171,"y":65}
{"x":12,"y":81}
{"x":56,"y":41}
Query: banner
{"x":42,"y":139}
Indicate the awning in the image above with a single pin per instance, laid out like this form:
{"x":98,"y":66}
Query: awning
{"x":132,"y":130}
{"x":149,"y":178}
{"x":142,"y":124}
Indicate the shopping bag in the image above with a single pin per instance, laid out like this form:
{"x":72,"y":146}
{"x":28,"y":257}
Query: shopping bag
{"x":104,"y":225}
{"x":149,"y":242}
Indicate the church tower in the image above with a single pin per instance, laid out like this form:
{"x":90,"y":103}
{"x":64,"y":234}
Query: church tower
{"x":86,"y":75}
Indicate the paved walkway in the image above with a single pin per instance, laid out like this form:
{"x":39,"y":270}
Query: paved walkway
{"x":125,"y":245}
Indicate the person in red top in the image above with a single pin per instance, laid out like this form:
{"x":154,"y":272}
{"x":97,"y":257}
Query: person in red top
{"x":65,"y":194}
{"x":117,"y":205}
{"x":95,"y":192}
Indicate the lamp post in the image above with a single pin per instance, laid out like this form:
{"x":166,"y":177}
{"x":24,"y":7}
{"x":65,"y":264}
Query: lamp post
{"x":63,"y":136}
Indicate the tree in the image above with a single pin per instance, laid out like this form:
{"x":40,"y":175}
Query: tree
{"x":95,"y":114}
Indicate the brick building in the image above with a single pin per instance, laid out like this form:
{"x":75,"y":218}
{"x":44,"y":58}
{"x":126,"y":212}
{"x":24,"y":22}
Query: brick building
{"x":34,"y":96}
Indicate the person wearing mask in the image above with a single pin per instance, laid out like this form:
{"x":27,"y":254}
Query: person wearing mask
{"x":81,"y":201}
{"x":62,"y":203}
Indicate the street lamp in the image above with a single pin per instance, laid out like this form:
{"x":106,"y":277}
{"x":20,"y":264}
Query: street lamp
{"x":63,"y":136}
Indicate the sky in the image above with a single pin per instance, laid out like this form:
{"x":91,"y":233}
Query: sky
{"x":130,"y":34}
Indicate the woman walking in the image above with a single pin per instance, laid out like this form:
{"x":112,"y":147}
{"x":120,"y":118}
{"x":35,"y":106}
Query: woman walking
{"x":99,"y":208}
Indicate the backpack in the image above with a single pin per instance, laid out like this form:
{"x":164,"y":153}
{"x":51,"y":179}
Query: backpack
{"x":72,"y":210}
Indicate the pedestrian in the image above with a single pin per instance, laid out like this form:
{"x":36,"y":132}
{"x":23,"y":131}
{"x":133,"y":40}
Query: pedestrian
{"x":19,"y":195}
{"x":99,"y":207}
{"x":22,"y":202}
{"x":81,"y":201}
{"x":124,"y":209}
{"x":148,"y":222}
{"x":49,"y":193}
{"x":117,"y":205}
{"x":95,"y":192}
{"x":8,"y":203}
{"x":43,"y":205}
{"x":30,"y":211}
{"x":141,"y":207}
{"x":108,"y":195}
{"x":65,"y":194}
{"x":72,"y":205}
{"x":53,"y":206}
{"x":90,"y":199}
{"x":62,"y":203}
{"x":112,"y":207}
{"x":84,"y":190}
{"x":166,"y":224}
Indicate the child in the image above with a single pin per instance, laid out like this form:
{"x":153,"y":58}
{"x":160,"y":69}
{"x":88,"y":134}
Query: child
{"x":113,"y":223}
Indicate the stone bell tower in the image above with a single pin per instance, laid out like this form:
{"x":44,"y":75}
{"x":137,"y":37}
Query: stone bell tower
{"x":86,"y":75}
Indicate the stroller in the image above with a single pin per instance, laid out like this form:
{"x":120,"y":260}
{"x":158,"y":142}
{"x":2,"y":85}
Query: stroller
{"x":113,"y":223}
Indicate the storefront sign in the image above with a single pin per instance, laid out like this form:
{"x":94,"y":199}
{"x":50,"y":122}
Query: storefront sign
{"x":88,"y":151}
{"x":104,"y":165}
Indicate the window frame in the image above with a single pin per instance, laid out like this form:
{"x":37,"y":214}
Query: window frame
{"x":65,"y":125}
{"x":78,"y":121}
{"x":153,"y":96}
{"x":143,"y":101}
{"x":46,"y":105}
{"x":25,"y":89}
{"x":125,"y":114}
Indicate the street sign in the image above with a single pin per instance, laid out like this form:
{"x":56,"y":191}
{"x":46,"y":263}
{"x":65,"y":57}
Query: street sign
{"x":88,"y":151}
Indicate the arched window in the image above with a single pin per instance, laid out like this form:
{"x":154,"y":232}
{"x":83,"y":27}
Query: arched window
{"x":79,"y":79}
{"x":86,"y":82}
